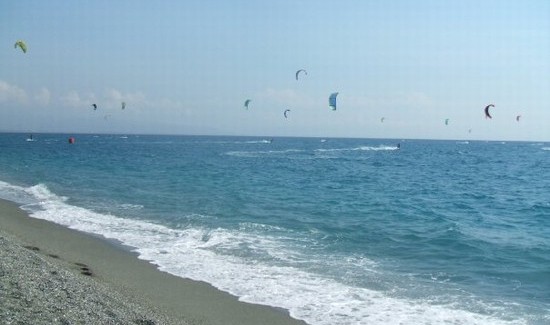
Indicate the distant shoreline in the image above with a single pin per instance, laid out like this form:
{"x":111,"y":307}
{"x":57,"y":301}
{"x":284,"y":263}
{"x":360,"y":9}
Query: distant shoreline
{"x":89,"y":267}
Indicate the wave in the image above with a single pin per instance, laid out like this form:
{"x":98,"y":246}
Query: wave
{"x":305,"y":154}
{"x":129,"y":206}
{"x":362,"y":148}
{"x":262,"y":141}
{"x":256,"y":154}
{"x":216,"y":256}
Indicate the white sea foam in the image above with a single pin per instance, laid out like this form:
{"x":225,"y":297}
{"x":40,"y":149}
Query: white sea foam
{"x":19,"y":194}
{"x":361,"y":148}
{"x":260,"y":141}
{"x":197,"y":253}
{"x":129,"y":206}
{"x":291,"y":153}
{"x":262,"y":153}
{"x":264,"y":141}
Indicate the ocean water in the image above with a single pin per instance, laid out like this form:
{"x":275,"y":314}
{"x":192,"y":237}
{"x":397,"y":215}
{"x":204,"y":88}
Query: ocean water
{"x":342,"y":231}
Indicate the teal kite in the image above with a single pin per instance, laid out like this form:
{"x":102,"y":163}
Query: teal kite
{"x":332,"y":101}
{"x":246,"y":102}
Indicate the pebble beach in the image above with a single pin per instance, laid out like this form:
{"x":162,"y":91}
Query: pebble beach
{"x":37,"y":291}
{"x":54,"y":275}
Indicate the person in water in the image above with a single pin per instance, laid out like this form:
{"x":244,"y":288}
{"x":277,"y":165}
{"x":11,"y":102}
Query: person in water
{"x":399,"y":146}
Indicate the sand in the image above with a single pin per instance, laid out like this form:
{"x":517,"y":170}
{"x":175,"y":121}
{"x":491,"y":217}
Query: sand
{"x":54,"y":275}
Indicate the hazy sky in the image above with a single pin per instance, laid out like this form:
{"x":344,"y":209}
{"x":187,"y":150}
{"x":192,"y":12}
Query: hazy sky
{"x":186,"y":67}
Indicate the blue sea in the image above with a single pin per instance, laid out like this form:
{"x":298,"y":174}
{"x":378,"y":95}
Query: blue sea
{"x":336,"y":231}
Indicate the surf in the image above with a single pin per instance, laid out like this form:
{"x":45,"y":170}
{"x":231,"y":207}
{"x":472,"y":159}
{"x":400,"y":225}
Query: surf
{"x":271,"y":278}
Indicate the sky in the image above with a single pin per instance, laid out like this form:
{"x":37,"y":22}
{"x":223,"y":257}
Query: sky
{"x":401,"y":68}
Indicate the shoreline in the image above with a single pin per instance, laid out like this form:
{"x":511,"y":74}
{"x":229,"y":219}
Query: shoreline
{"x":92,"y":261}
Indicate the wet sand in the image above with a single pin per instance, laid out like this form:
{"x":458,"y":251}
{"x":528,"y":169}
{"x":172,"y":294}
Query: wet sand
{"x":102,"y":281}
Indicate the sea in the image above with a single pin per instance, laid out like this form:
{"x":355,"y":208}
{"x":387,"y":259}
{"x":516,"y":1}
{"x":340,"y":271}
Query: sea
{"x":336,"y":231}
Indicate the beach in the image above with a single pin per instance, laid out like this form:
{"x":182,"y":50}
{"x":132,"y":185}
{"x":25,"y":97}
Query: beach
{"x":50,"y":274}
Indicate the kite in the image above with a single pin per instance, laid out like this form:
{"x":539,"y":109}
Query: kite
{"x":487,"y":115}
{"x":285,"y":113}
{"x":332,"y":101}
{"x":446,"y":121}
{"x":298,"y":72}
{"x":518,"y":117}
{"x":94,"y":106}
{"x":246,"y":102}
{"x":123,"y":105}
{"x":21,"y":45}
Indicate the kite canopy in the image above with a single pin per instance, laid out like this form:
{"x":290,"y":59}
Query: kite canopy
{"x":123,"y":105}
{"x":332,"y":101}
{"x":446,"y":121}
{"x":246,"y":102}
{"x":518,"y":117}
{"x":21,"y":45}
{"x":286,"y":112}
{"x":94,"y":106}
{"x":487,"y":115}
{"x":299,"y":71}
